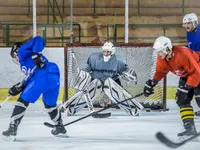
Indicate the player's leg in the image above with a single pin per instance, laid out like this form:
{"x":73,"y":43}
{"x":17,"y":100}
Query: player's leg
{"x":71,"y":106}
{"x":29,"y":95}
{"x":186,"y":112}
{"x":116,"y":93}
{"x":17,"y":115}
{"x":197,"y":98}
{"x":49,"y":98}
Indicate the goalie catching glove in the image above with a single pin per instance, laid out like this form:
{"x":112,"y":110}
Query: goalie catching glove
{"x":16,"y":89}
{"x":129,"y":76}
{"x":38,"y":60}
{"x":148,"y":88}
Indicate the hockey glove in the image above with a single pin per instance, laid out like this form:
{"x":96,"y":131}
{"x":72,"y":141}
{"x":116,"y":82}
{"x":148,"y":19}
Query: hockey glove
{"x":16,"y":89}
{"x":182,"y":94}
{"x":148,"y":88}
{"x":37,"y":58}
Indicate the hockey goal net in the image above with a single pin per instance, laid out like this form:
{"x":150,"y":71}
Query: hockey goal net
{"x":140,"y":57}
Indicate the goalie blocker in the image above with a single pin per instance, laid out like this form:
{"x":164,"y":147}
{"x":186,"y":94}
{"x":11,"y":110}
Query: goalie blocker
{"x":90,"y":89}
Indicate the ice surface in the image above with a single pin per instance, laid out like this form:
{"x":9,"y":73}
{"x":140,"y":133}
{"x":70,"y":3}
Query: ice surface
{"x":119,"y":132}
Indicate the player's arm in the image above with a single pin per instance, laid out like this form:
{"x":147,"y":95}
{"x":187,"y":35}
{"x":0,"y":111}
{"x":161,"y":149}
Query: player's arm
{"x":33,"y":48}
{"x":161,"y":72}
{"x":129,"y":75}
{"x":37,"y":47}
{"x":161,"y":69}
{"x":88,"y":67}
{"x":192,"y":67}
{"x":126,"y":73}
{"x":197,"y":47}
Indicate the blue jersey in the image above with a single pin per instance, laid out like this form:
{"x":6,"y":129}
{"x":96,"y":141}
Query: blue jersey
{"x":45,"y":80}
{"x":193,"y":39}
{"x":35,"y":45}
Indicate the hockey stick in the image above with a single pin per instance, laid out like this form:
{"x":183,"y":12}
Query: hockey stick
{"x":113,"y":105}
{"x":163,"y":139}
{"x":9,"y":96}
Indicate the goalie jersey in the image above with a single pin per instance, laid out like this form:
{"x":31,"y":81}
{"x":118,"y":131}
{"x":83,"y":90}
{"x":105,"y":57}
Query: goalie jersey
{"x":193,"y":39}
{"x":102,"y":70}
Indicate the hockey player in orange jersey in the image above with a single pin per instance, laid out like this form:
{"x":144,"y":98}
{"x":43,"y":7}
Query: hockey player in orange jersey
{"x":184,"y":63}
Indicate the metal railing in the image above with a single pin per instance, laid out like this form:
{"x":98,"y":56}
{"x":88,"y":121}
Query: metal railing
{"x":25,"y":33}
{"x":15,"y":32}
{"x":114,"y":37}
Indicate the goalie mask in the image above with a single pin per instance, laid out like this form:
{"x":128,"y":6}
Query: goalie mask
{"x":108,"y":50}
{"x":14,"y":52}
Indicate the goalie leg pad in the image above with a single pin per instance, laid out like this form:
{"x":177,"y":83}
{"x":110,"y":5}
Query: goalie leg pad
{"x":82,"y":80}
{"x":74,"y":104}
{"x":77,"y":102}
{"x":116,"y":93}
{"x":94,"y":88}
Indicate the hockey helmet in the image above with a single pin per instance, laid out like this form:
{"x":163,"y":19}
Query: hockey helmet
{"x":15,"y":49}
{"x":192,"y":17}
{"x":162,"y":43}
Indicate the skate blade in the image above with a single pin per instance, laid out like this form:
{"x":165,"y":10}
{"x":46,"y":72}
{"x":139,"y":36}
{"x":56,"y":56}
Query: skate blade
{"x":60,"y":135}
{"x":183,"y":138}
{"x":9,"y":138}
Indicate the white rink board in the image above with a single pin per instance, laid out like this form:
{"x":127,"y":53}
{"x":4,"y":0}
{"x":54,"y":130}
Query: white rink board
{"x":10,"y":72}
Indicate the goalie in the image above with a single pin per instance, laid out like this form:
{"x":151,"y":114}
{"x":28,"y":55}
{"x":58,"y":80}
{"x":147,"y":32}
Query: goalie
{"x":102,"y":74}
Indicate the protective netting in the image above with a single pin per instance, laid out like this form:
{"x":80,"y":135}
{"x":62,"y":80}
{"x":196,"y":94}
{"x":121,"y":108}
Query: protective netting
{"x":142,"y":59}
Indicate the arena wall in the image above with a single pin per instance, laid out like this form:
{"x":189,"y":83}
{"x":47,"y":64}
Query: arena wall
{"x":11,"y":74}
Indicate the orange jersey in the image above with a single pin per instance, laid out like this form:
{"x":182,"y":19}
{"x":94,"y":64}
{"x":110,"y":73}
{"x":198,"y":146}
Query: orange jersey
{"x":184,"y":63}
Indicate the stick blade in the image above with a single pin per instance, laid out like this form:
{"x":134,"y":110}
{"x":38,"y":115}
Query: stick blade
{"x":163,"y":139}
{"x":48,"y":125}
{"x":102,"y":115}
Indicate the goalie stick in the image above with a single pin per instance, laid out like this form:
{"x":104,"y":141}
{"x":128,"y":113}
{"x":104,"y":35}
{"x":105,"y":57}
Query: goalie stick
{"x":113,"y":105}
{"x":9,"y":96}
{"x":163,"y":139}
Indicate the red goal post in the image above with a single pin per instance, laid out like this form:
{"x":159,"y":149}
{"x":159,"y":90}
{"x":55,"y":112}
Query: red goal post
{"x":140,"y":57}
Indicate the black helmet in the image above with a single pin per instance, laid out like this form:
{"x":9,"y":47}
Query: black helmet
{"x":15,"y":49}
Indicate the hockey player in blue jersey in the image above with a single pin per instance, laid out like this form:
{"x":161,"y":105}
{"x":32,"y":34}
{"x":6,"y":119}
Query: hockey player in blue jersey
{"x":44,"y":80}
{"x":190,"y":23}
{"x":102,"y":74}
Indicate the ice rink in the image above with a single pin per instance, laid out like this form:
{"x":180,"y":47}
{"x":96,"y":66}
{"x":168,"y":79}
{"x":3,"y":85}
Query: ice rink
{"x":119,"y":132}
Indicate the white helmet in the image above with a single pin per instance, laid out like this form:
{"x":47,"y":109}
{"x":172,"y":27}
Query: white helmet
{"x":162,"y":43}
{"x":109,"y":47}
{"x":192,"y":17}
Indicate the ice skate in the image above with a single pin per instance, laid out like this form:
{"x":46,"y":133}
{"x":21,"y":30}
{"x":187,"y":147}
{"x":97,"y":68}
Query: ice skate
{"x":10,"y":134}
